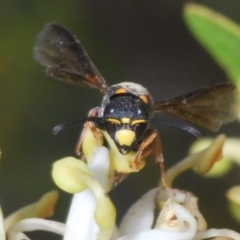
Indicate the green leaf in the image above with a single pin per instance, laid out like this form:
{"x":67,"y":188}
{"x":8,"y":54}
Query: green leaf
{"x":219,"y":35}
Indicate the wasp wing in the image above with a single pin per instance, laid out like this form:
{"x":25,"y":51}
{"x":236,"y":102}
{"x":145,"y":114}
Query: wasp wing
{"x":209,"y":107}
{"x":57,"y":49}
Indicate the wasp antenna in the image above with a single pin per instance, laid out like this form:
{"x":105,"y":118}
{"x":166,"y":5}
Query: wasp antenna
{"x":58,"y":128}
{"x":62,"y":126}
{"x":183,"y":127}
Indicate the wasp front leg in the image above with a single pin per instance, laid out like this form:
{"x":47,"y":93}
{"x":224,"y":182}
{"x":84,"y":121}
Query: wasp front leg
{"x":89,"y":133}
{"x":152,"y":142}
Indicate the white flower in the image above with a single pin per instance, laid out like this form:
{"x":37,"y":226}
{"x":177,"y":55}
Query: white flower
{"x":29,"y":218}
{"x":92,"y":214}
{"x":231,"y":155}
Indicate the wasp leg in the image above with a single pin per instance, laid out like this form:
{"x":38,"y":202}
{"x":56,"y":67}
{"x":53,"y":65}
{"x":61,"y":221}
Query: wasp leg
{"x":119,"y":177}
{"x":92,"y":113}
{"x":152,"y":142}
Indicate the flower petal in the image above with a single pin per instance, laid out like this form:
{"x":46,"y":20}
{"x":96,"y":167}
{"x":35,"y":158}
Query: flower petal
{"x":87,"y":208}
{"x":105,"y":213}
{"x":18,"y":236}
{"x":188,"y":200}
{"x":210,"y":233}
{"x":175,"y":222}
{"x":70,"y":174}
{"x":141,"y":214}
{"x":230,"y":152}
{"x":101,"y":169}
{"x":33,"y":224}
{"x":73,"y":176}
{"x":80,"y":222}
{"x":233,"y":194}
{"x":191,"y":204}
{"x":231,"y":149}
{"x":202,"y":161}
{"x":175,"y":217}
{"x":42,"y":209}
{"x":2,"y":227}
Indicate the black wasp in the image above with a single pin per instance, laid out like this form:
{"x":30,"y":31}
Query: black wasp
{"x":122,"y":120}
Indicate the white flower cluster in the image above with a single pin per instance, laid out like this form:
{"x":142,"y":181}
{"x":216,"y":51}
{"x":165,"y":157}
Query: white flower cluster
{"x":92,"y":214}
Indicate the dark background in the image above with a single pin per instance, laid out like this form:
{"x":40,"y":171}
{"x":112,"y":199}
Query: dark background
{"x":143,"y":41}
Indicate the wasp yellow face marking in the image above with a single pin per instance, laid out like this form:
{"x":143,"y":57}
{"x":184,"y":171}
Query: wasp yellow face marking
{"x":144,"y":99}
{"x":125,"y":137}
{"x":120,"y":91}
{"x":137,"y":121}
{"x":125,"y":120}
{"x":114,"y":120}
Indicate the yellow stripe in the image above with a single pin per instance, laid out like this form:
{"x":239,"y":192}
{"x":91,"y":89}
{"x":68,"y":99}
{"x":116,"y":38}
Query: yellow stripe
{"x":137,"y":121}
{"x":114,"y":120}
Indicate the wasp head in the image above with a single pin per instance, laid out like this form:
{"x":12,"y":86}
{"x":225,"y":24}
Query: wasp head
{"x":125,"y":120}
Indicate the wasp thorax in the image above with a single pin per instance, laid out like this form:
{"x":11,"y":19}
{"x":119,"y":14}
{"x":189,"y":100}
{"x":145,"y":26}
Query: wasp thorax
{"x":125,"y":120}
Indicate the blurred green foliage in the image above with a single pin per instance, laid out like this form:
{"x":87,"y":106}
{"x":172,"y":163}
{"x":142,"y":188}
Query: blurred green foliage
{"x":218,"y":34}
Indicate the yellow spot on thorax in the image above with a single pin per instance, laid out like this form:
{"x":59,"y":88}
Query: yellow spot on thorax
{"x":144,"y":99}
{"x":120,"y":91}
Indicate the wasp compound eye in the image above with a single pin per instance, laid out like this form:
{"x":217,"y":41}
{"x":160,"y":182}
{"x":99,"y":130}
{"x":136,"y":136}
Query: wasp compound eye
{"x":111,"y":128}
{"x":140,"y":129}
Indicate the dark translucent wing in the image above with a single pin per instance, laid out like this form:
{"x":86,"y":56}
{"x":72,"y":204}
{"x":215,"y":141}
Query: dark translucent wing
{"x":60,"y":52}
{"x":209,"y":107}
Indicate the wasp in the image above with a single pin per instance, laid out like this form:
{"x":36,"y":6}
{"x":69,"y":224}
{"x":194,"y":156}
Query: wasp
{"x":122,"y":121}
